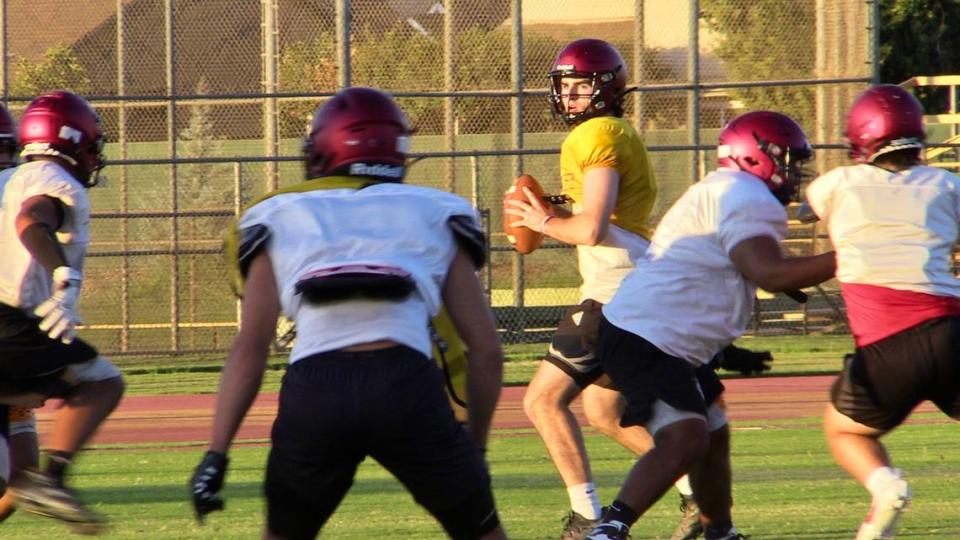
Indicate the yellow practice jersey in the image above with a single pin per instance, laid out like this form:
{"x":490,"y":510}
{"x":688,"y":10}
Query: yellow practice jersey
{"x":608,"y":141}
{"x":449,"y":350}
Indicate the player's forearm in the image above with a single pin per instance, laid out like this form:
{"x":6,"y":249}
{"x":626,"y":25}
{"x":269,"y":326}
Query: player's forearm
{"x":795,"y":273}
{"x":484,"y":381}
{"x":578,"y":229}
{"x":39,"y":239}
{"x":239,"y":385}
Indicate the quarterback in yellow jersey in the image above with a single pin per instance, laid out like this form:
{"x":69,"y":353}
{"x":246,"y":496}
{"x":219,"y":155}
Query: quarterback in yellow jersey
{"x":606,"y":173}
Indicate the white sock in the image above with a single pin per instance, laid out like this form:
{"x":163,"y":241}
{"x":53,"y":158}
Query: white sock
{"x":683,"y":486}
{"x":584,"y":500}
{"x":880,"y":478}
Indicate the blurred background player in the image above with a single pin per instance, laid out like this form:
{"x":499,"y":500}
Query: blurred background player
{"x":606,"y":172}
{"x":44,"y":233}
{"x":361,"y":381}
{"x":691,"y":294}
{"x":893,"y":222}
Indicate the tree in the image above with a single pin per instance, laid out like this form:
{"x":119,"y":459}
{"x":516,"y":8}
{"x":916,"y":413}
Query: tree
{"x":919,"y":37}
{"x":753,"y":47}
{"x":305,"y":66}
{"x":58,"y":69}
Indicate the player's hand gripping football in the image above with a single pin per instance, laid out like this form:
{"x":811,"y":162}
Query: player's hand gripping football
{"x":532,"y":211}
{"x":58,"y":314}
{"x":206,"y":483}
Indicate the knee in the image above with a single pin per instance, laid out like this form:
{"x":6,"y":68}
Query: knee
{"x":686,"y":442}
{"x":538,"y":404}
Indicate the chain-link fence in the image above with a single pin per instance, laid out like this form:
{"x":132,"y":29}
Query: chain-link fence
{"x":206,"y":103}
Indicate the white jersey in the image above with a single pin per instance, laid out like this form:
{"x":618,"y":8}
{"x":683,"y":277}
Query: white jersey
{"x":891,"y":229}
{"x":409,"y":228}
{"x":604,"y":266}
{"x":686,"y":296}
{"x":24,"y":283}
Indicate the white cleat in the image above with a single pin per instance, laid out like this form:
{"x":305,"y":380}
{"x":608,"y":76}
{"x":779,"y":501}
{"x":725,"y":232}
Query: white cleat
{"x":881,"y":521}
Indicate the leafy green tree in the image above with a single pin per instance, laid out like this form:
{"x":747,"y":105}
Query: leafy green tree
{"x":58,"y":69}
{"x":753,"y":47}
{"x":305,"y":66}
{"x":919,"y":37}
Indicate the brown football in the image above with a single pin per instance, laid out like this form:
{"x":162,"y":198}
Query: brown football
{"x":523,"y":239}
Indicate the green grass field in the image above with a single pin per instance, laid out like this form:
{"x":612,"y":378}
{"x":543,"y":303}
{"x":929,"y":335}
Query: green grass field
{"x":786,"y":487}
{"x":793,"y":355}
{"x":786,"y":484}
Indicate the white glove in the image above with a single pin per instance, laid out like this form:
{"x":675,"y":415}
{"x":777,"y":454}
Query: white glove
{"x":59,"y":312}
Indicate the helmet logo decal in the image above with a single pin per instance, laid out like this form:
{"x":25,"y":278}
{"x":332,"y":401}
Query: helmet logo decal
{"x":565,"y":67}
{"x":69,"y":134}
{"x":388,"y":171}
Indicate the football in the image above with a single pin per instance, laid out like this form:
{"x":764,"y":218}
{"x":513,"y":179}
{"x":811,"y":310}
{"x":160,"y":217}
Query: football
{"x":523,"y":239}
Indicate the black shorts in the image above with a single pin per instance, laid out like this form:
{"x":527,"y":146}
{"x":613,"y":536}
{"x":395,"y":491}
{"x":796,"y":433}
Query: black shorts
{"x":887,"y":379}
{"x":574,"y":342}
{"x":643,"y":374}
{"x":27,"y":353}
{"x":337,"y":408}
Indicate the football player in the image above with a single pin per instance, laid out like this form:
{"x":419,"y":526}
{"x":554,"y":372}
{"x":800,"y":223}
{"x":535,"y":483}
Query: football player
{"x":893,"y":221}
{"x":44,"y":233}
{"x":605,"y":171}
{"x":361,"y":262}
{"x":689,"y":295}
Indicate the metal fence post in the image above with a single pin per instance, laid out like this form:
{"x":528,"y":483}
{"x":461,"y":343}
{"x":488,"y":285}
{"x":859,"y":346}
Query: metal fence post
{"x":516,"y":126}
{"x":873,"y":48}
{"x":693,"y":74}
{"x":343,"y":42}
{"x":124,"y":192}
{"x":171,"y":74}
{"x":237,"y":209}
{"x":449,"y":103}
{"x":271,"y":137}
{"x":638,"y":74}
{"x":4,"y":61}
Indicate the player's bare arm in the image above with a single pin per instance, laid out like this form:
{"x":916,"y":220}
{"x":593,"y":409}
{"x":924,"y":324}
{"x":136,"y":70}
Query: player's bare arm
{"x":465,"y":302}
{"x":762,"y":262}
{"x":39,"y":217}
{"x":244,"y":368}
{"x":589,"y":227}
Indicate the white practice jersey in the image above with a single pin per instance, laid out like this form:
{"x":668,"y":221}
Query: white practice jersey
{"x":891,"y":229}
{"x":24,"y":283}
{"x":604,"y":266}
{"x":685,"y":295}
{"x":397,"y":226}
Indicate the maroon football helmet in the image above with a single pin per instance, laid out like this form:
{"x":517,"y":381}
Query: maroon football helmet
{"x":63,"y":125}
{"x":601,"y":63}
{"x":8,"y":138}
{"x":768,"y":145}
{"x":358,"y":132}
{"x":883,"y":119}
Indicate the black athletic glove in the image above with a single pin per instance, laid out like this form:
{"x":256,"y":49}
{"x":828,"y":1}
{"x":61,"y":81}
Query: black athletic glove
{"x":206,"y":484}
{"x":745,"y":361}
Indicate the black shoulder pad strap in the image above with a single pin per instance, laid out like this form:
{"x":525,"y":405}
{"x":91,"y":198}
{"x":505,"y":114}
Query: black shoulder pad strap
{"x":469,"y":237}
{"x":253,"y":239}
